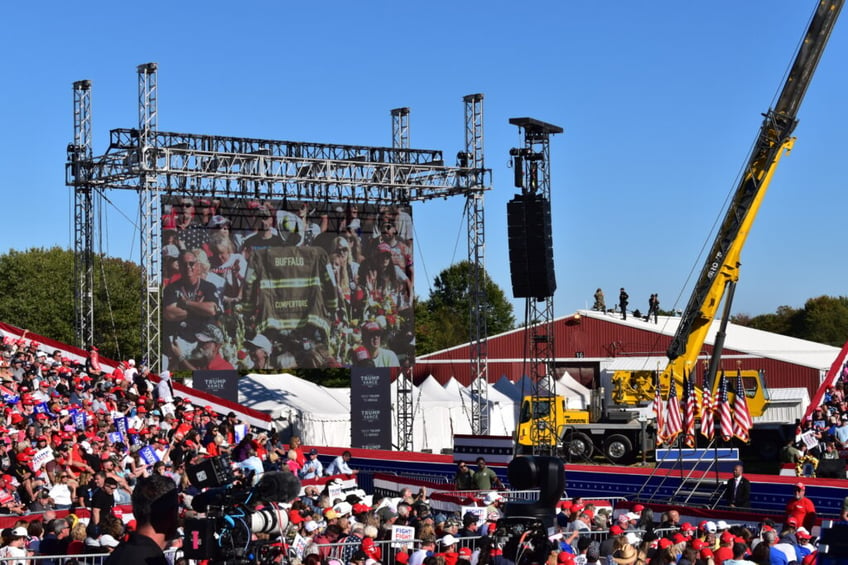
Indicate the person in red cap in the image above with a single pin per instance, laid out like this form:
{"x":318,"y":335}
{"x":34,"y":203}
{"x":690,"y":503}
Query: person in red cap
{"x":801,"y":508}
{"x":725,"y":547}
{"x":607,"y":546}
{"x":9,"y":498}
{"x":804,"y":545}
{"x":564,"y":558}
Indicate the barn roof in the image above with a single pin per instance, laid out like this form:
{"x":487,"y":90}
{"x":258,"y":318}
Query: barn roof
{"x":747,"y":341}
{"x":739,"y":338}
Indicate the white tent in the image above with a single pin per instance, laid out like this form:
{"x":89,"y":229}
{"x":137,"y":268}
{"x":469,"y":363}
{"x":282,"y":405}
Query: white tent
{"x":321,"y":416}
{"x":577,"y":396}
{"x":453,"y":387}
{"x":299,"y":406}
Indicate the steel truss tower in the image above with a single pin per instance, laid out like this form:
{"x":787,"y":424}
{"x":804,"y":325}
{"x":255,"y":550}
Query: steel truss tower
{"x":478,"y":342}
{"x":403,"y":402}
{"x":149,"y":209}
{"x":539,"y":313}
{"x":155,"y":163}
{"x":79,"y":157}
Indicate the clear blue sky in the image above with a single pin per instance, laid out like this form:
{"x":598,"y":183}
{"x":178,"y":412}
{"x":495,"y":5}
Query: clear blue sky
{"x":660,"y":102}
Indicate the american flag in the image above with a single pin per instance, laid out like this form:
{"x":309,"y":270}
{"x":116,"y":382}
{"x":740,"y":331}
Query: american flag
{"x":707,"y":413}
{"x":742,"y":422}
{"x":689,"y":411}
{"x":723,"y":407}
{"x":673,"y":417}
{"x":658,"y":410}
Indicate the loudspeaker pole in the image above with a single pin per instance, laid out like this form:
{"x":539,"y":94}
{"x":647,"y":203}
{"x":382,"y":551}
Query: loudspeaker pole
{"x":532,"y":175}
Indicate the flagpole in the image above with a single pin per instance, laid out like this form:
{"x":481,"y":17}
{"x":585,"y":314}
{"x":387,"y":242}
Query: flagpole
{"x":707,"y":370}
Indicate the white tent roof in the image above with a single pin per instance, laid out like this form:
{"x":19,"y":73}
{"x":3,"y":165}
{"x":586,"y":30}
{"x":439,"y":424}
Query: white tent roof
{"x":321,"y":416}
{"x":453,"y":387}
{"x":431,"y":390}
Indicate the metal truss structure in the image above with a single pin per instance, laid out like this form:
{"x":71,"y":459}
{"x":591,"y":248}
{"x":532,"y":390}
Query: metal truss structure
{"x":478,"y":342}
{"x":156,"y":163}
{"x":539,"y":313}
{"x":79,"y":156}
{"x":405,"y":415}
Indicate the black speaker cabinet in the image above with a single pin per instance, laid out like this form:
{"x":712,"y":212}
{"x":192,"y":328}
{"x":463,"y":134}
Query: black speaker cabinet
{"x":531,"y":251}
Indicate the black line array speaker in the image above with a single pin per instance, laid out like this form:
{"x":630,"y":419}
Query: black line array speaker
{"x":531,"y":250}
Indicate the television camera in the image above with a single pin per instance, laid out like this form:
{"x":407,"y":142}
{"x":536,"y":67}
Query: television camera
{"x":233,"y":511}
{"x":523,"y":532}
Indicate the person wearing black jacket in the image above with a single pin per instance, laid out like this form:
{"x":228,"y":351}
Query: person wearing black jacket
{"x":737,"y":493}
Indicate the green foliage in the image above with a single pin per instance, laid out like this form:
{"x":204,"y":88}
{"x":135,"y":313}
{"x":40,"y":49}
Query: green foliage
{"x":823,"y":320}
{"x":443,"y":319}
{"x":37,"y":294}
{"x":335,"y":377}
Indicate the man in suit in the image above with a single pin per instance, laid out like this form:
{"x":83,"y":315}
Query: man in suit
{"x":737,"y":493}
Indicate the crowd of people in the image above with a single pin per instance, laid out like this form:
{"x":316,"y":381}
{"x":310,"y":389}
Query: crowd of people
{"x":639,"y":537}
{"x":261,"y":284}
{"x":349,"y":531}
{"x":74,"y":437}
{"x":823,"y":436}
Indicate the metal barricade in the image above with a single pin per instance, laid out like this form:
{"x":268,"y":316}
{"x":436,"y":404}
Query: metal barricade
{"x":76,"y":559}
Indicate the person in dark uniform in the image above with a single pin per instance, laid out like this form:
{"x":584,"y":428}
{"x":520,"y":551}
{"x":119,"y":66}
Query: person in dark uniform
{"x":653,"y":308}
{"x":622,"y":302}
{"x":155,"y":504}
{"x":103,"y":499}
{"x":737,"y":493}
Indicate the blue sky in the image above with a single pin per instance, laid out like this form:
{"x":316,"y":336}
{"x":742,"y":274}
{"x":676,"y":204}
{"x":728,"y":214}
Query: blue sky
{"x":660,"y":102}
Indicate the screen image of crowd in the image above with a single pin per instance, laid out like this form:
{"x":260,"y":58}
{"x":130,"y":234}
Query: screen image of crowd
{"x":277,"y":284}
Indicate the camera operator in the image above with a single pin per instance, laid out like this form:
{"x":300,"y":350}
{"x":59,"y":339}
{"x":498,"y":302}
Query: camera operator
{"x":155,"y":505}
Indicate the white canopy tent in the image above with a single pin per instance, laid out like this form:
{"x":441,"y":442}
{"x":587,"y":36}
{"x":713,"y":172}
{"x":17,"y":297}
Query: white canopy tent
{"x":299,"y":406}
{"x":321,"y":416}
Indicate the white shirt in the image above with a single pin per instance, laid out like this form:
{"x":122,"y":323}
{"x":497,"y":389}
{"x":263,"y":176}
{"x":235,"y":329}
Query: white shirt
{"x":340,"y":466}
{"x":418,"y":557}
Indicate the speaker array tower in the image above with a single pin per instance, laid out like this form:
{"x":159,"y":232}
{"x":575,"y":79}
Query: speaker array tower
{"x":531,"y":261}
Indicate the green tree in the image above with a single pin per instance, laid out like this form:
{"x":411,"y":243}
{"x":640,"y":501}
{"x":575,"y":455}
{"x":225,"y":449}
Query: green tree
{"x":782,"y":321}
{"x":36,"y":293}
{"x":443,"y":319}
{"x":824,"y":320}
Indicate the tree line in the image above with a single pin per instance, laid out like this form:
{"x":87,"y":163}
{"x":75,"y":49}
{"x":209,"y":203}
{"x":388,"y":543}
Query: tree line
{"x":37,"y":294}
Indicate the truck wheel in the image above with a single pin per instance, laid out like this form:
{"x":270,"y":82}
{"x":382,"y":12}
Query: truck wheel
{"x":618,"y":448}
{"x":578,"y":446}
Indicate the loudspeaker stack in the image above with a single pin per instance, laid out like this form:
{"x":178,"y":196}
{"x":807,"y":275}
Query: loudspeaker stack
{"x":531,"y":253}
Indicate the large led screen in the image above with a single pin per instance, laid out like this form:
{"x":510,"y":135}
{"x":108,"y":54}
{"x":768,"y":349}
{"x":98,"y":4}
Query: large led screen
{"x":279,"y":284}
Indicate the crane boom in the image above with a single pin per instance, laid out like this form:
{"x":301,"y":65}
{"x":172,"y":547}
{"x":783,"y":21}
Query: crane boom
{"x":613,"y":428}
{"x":773,"y":141}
